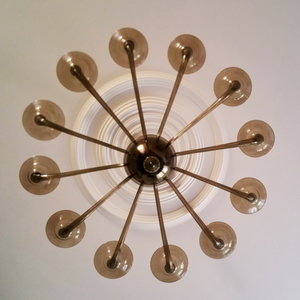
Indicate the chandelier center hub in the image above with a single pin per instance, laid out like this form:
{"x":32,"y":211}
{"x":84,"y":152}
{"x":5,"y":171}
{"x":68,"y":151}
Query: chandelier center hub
{"x":151,"y":164}
{"x":150,"y":160}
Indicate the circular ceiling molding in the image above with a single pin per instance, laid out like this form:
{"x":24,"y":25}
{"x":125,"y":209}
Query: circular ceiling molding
{"x":155,"y":89}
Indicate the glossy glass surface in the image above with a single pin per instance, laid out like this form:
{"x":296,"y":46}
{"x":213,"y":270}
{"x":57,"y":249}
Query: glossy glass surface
{"x":105,"y":253}
{"x":60,"y":220}
{"x":76,"y":58}
{"x":158,"y":264}
{"x":250,"y":129}
{"x":249,"y":185}
{"x":197,"y":58}
{"x":221,"y":231}
{"x":150,"y":161}
{"x":225,"y":78}
{"x":49,"y":110}
{"x":118,"y":52}
{"x":38,"y":164}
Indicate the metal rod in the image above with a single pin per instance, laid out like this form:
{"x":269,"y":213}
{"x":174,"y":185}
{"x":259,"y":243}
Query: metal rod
{"x":112,"y":263}
{"x":234,"y":86}
{"x":217,"y":242}
{"x":249,"y":197}
{"x":129,"y":46}
{"x":256,"y":140}
{"x":38,"y":177}
{"x":186,"y":54}
{"x":42,"y":121}
{"x":170,"y":268}
{"x":76,"y":71}
{"x":64,"y":232}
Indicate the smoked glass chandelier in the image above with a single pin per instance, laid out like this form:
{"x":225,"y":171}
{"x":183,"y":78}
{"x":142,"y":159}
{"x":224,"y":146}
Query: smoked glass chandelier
{"x":149,"y":160}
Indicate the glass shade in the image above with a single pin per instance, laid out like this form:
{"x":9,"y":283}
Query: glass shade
{"x":158,"y":264}
{"x":118,"y":52}
{"x":60,"y":220}
{"x":221,"y":231}
{"x":197,"y":58}
{"x":105,"y":253}
{"x":50,"y":111}
{"x":249,"y":186}
{"x":249,"y":130}
{"x":87,"y":65}
{"x":44,"y":166}
{"x":224,"y":80}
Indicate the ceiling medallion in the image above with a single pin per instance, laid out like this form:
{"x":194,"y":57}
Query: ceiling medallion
{"x":138,"y":144}
{"x":155,"y":88}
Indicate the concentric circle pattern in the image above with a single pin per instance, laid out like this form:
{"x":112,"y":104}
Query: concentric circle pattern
{"x":155,"y":89}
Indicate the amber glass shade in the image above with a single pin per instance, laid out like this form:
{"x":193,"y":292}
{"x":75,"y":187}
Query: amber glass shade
{"x":158,"y":264}
{"x":49,"y":110}
{"x":221,"y":231}
{"x":118,"y":52}
{"x":252,"y":128}
{"x":197,"y":58}
{"x":105,"y":253}
{"x":87,"y":65}
{"x":60,"y":220}
{"x":42,"y":165}
{"x":249,"y":186}
{"x":224,"y":80}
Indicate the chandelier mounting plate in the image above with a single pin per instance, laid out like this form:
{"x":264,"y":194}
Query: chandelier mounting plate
{"x":150,"y":161}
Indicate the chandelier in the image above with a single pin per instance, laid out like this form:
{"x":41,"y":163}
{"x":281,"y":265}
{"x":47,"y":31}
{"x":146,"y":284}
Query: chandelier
{"x":149,"y":160}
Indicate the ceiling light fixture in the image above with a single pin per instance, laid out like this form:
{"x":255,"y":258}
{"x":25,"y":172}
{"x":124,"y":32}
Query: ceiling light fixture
{"x":149,"y":160}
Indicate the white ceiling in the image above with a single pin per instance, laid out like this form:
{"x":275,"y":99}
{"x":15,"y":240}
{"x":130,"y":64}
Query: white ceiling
{"x":260,"y":37}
